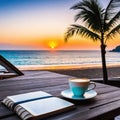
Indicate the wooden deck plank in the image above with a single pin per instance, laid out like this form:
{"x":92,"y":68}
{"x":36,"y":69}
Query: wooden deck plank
{"x":38,"y":74}
{"x":15,"y":117}
{"x":7,"y":83}
{"x":106,"y":98}
{"x":4,"y":111}
{"x":30,"y":80}
{"x":98,"y":98}
{"x":16,"y":87}
{"x":78,"y":111}
{"x":21,"y":89}
{"x":106,"y":110}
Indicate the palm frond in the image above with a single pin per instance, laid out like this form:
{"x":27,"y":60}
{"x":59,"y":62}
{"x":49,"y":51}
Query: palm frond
{"x":111,"y":9}
{"x":113,"y":22}
{"x":82,"y":31}
{"x":113,"y":32}
{"x":91,"y":13}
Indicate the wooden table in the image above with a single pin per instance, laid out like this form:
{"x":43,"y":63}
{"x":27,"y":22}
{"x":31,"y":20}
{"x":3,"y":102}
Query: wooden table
{"x":104,"y":106}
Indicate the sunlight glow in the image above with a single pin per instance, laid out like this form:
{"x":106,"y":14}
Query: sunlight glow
{"x":52,"y":44}
{"x":29,"y":24}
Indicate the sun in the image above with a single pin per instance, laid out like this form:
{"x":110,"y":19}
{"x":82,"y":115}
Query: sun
{"x":52,"y":44}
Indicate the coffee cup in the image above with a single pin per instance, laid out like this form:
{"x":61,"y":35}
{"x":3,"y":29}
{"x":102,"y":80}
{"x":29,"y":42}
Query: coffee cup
{"x":79,"y":86}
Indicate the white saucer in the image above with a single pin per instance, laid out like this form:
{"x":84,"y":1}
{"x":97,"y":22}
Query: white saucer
{"x":88,"y":95}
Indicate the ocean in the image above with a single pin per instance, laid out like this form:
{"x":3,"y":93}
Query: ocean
{"x":35,"y":58}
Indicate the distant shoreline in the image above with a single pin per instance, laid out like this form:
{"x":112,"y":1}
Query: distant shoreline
{"x":63,"y":67}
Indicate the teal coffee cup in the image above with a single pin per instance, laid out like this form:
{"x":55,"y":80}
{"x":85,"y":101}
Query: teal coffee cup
{"x":79,"y":86}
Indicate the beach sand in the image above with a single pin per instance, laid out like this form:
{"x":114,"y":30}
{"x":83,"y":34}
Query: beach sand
{"x":85,"y":71}
{"x":113,"y":71}
{"x":94,"y":73}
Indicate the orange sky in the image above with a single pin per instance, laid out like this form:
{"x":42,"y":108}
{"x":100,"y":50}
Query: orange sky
{"x":34,"y":26}
{"x":44,"y":43}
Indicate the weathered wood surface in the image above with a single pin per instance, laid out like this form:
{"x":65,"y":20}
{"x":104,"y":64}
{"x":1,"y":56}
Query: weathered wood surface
{"x":104,"y":106}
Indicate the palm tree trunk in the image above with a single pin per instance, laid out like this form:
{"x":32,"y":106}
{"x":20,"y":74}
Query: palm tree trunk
{"x":104,"y":68}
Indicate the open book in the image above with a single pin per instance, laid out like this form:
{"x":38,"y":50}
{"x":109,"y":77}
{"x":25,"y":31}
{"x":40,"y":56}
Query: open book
{"x":34,"y":105}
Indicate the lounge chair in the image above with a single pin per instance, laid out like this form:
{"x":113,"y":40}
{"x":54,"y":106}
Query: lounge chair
{"x":11,"y":69}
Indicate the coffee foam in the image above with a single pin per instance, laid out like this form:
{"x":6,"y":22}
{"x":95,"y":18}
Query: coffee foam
{"x":79,"y":80}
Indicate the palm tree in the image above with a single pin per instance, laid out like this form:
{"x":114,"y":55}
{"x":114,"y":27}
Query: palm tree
{"x":100,"y":24}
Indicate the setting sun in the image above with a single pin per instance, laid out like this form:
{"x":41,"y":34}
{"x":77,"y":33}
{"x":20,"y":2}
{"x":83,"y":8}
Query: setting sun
{"x":52,"y":44}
